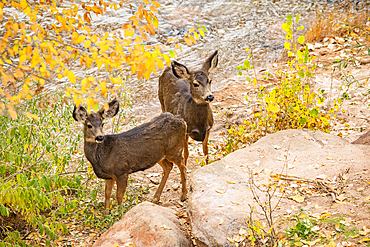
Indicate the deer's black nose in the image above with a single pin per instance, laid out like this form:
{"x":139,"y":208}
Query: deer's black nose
{"x":99,"y":138}
{"x":210,"y":98}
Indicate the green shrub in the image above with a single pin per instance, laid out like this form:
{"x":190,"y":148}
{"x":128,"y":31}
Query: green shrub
{"x":290,"y":104}
{"x":44,"y":178}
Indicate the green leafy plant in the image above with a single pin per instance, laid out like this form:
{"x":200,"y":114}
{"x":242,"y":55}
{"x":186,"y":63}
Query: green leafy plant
{"x":301,"y":229}
{"x":290,"y":104}
{"x":44,"y":178}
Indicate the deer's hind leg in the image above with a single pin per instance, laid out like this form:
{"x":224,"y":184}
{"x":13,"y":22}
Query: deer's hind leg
{"x":121,"y":187}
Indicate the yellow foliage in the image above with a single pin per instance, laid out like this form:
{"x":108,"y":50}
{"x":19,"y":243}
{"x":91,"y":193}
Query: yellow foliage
{"x":36,"y":52}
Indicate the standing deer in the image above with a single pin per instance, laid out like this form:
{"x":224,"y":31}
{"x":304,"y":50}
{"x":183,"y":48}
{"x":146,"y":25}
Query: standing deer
{"x":114,"y":157}
{"x":188,"y":94}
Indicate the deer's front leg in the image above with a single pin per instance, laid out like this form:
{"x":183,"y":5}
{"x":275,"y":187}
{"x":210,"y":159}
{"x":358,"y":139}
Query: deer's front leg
{"x":109,"y":183}
{"x":205,"y":145}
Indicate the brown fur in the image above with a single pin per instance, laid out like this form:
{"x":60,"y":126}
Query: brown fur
{"x":114,"y":157}
{"x":188,"y":94}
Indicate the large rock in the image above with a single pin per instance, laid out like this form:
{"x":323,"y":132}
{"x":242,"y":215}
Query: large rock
{"x":220,"y":197}
{"x":148,"y":225}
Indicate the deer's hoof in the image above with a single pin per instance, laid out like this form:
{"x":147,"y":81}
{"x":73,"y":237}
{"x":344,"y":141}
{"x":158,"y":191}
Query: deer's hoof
{"x":155,"y":200}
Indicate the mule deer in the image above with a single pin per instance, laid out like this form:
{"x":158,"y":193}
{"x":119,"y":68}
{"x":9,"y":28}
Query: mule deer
{"x":114,"y":157}
{"x":188,"y":94}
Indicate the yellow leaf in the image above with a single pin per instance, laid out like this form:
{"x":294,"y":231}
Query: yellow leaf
{"x":230,"y":182}
{"x":22,"y":59}
{"x":187,"y":41}
{"x":220,"y":191}
{"x":13,"y":114}
{"x":87,"y":43}
{"x":81,"y":39}
{"x":221,"y":221}
{"x":153,"y":9}
{"x":365,"y":240}
{"x":166,"y":227}
{"x":1,"y":14}
{"x":71,"y":77}
{"x":297,"y":198}
{"x":106,"y":106}
{"x":30,"y":115}
{"x":324,"y":216}
{"x":287,"y":45}
{"x":167,"y":58}
{"x":193,"y":39}
{"x":155,"y":3}
{"x":231,"y":240}
{"x":191,"y":29}
{"x":146,"y":1}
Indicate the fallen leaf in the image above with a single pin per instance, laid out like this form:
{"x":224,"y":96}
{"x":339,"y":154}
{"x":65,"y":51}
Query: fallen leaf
{"x":315,"y":229}
{"x":341,"y":197}
{"x":322,"y":176}
{"x":221,"y":221}
{"x":166,"y":227}
{"x":231,"y":240}
{"x":298,"y":198}
{"x":238,"y":203}
{"x":230,"y":182}
{"x":365,"y":240}
{"x":268,"y":171}
{"x":360,"y":189}
{"x":367,"y":182}
{"x":220,"y":191}
{"x":365,"y":231}
{"x":324,"y":216}
{"x":277,"y":147}
{"x":290,"y":166}
{"x":242,"y":231}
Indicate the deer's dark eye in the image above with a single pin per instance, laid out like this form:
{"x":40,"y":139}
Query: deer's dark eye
{"x":89,"y":126}
{"x":196,"y":84}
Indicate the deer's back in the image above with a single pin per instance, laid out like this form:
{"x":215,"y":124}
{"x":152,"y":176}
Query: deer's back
{"x":173,"y":92}
{"x":141,"y":147}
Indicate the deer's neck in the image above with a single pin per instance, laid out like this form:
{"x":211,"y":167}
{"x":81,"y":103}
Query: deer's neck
{"x":96,"y":155}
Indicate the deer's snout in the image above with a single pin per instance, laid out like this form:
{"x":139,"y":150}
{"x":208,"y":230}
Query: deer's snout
{"x":210,"y":98}
{"x":99,"y":139}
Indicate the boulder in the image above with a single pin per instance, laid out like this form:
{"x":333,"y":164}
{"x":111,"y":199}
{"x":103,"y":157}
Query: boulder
{"x":219,"y":201}
{"x":146,"y":224}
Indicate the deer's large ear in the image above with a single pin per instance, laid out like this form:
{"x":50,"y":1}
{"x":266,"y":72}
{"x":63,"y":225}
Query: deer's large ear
{"x":210,"y":63}
{"x":180,"y":71}
{"x":79,"y":113}
{"x":112,"y":110}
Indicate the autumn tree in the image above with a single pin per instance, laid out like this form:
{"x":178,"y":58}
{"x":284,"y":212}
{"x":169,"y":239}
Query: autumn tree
{"x":51,"y":45}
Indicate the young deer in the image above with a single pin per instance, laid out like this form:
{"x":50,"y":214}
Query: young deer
{"x":188,"y":94}
{"x":114,"y":157}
